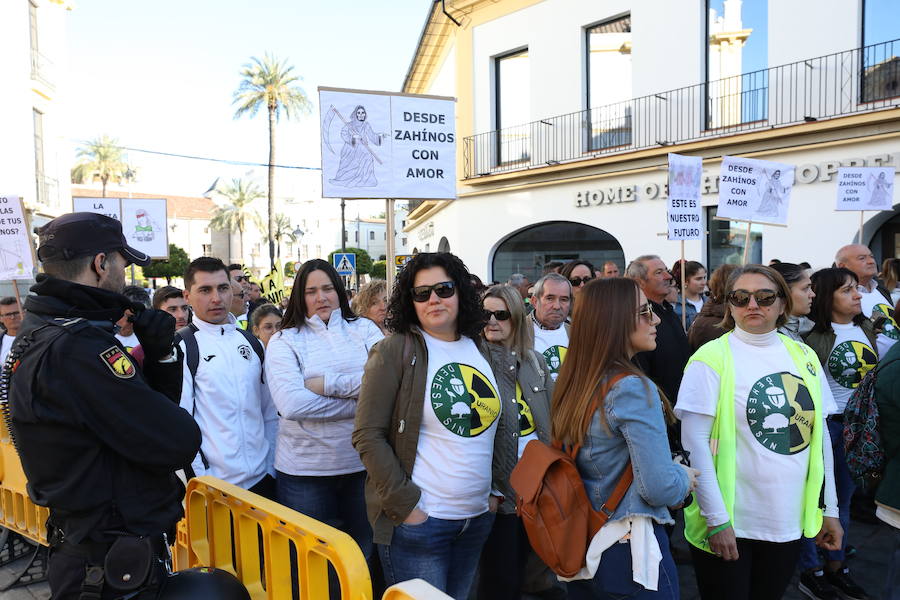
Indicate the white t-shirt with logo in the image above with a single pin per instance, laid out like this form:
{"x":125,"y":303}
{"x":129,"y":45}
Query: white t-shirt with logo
{"x":875,"y":305}
{"x":552,"y":344}
{"x":129,"y":341}
{"x":456,"y":439}
{"x":773,"y":415}
{"x":527,"y":428}
{"x":697,"y":304}
{"x":851,"y":357}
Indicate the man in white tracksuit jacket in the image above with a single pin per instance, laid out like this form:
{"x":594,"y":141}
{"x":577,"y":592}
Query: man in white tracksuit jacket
{"x":229,"y":398}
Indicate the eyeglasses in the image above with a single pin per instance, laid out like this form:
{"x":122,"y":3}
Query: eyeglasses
{"x":741,"y":298}
{"x":12,"y":314}
{"x":500,"y":315}
{"x":444,"y":289}
{"x":240,"y":278}
{"x":646,"y":311}
{"x":579,"y":281}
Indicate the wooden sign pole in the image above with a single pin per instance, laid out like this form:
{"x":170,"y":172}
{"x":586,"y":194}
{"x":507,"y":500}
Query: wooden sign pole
{"x":389,"y":266}
{"x":683,"y":291}
{"x":862,"y":221}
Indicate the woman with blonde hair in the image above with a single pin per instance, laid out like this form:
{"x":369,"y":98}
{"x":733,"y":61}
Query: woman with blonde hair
{"x":890,"y":277}
{"x":506,"y":549}
{"x":604,"y":405}
{"x":371,"y":303}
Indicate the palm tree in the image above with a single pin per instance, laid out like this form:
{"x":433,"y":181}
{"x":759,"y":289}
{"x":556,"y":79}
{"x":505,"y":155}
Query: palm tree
{"x":239,"y":196}
{"x":102,"y":158}
{"x":271,"y":83}
{"x":283,"y":230}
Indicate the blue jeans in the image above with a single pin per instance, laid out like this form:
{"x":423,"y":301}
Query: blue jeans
{"x":443,"y":553}
{"x":337,"y":500}
{"x":843,"y":482}
{"x":614,"y":580}
{"x":892,"y":585}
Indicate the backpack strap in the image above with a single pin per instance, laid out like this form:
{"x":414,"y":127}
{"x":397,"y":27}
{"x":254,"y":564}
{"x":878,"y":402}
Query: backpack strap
{"x":258,"y":348}
{"x":598,"y":518}
{"x":192,"y":360}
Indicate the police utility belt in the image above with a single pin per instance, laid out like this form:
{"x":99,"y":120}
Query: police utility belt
{"x":127,"y":565}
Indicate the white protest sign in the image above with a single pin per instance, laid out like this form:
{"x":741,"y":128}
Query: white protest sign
{"x":865,"y":188}
{"x":16,"y":258}
{"x":379,"y":145}
{"x":755,"y":190}
{"x":683,"y":214}
{"x":111,"y":207}
{"x":145,"y":226}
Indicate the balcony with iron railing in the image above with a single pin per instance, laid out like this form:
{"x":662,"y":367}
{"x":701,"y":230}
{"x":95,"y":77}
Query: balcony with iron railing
{"x":48,"y":196}
{"x":845,"y":83}
{"x":42,"y":69}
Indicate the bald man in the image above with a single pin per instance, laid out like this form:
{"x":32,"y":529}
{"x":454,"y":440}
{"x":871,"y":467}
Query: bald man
{"x":876,"y":300}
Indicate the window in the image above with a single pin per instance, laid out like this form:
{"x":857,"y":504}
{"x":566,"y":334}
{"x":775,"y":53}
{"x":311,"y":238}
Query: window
{"x":372,"y":235}
{"x":608,"y":47}
{"x":356,"y":236}
{"x":38,"y":119}
{"x":736,"y":59}
{"x":403,"y":241}
{"x":512,"y":106}
{"x":207,"y":249}
{"x":385,"y":235}
{"x":881,"y":63}
{"x":32,"y":21}
{"x":725,"y":243}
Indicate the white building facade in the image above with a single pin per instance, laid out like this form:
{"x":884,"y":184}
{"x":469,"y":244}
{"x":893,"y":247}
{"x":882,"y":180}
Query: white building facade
{"x":567,"y":110}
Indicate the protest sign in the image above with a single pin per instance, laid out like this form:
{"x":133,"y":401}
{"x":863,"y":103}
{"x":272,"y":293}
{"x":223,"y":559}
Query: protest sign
{"x":144,"y":225}
{"x":272,"y":285}
{"x":757,"y":191}
{"x":380,"y":145}
{"x":865,"y":188}
{"x":683,"y":213}
{"x":16,"y":256}
{"x":111,"y":207}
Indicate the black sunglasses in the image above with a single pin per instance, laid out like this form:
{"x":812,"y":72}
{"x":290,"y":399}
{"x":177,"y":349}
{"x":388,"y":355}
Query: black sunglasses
{"x":741,"y":298}
{"x":579,"y":281}
{"x":444,"y":289}
{"x":500,"y":315}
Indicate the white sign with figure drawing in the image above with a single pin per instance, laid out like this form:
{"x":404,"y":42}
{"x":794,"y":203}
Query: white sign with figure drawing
{"x":111,"y":207}
{"x":144,"y":225}
{"x":379,"y":145}
{"x":683,"y":214}
{"x":755,"y":190}
{"x":865,"y":188}
{"x":16,"y":258}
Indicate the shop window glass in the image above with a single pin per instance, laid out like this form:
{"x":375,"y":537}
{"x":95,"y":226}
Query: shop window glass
{"x":725,"y":242}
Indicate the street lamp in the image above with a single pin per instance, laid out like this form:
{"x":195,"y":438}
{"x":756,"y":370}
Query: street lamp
{"x":298,"y":235}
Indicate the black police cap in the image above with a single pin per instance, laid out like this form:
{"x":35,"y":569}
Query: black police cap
{"x":83,"y":234}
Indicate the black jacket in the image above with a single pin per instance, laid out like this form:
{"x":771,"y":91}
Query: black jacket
{"x":665,"y":365}
{"x":99,"y":439}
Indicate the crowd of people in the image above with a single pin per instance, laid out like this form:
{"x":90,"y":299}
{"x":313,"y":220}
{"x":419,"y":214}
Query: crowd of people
{"x":400,"y":416}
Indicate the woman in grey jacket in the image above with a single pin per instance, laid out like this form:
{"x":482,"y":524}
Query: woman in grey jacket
{"x":506,"y":550}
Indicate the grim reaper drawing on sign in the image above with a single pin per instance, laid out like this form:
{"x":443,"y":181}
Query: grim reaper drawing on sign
{"x":357,"y":165}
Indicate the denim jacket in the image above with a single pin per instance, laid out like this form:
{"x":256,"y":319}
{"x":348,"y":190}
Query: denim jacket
{"x":635,"y":428}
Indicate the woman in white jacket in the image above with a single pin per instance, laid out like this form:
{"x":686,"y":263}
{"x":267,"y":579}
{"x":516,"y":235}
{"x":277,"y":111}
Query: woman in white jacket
{"x":314,"y":369}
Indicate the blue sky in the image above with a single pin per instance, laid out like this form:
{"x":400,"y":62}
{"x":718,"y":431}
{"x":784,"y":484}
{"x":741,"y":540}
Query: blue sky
{"x":160,"y":75}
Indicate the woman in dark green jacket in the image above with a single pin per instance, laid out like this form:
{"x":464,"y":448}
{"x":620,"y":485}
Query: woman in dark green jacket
{"x":887,"y":396}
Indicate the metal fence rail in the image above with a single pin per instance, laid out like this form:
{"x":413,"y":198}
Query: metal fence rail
{"x":854,"y":81}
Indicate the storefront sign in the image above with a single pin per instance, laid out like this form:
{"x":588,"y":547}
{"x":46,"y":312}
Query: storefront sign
{"x":683,"y":214}
{"x":755,"y":190}
{"x":865,"y":188}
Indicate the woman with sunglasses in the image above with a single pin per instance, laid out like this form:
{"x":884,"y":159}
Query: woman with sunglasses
{"x":578,"y":272}
{"x":430,"y":428}
{"x":847,"y":347}
{"x":508,"y":327}
{"x":314,"y":368}
{"x":802,"y":294}
{"x":752,"y":406}
{"x":629,"y":556}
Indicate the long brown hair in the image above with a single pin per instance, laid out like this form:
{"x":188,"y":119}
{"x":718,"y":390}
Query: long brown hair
{"x":605,"y":317}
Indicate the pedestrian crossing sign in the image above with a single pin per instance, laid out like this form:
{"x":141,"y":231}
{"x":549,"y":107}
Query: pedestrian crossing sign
{"x":344,"y":263}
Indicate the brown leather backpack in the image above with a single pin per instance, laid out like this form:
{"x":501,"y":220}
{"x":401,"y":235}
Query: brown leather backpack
{"x":553,"y":504}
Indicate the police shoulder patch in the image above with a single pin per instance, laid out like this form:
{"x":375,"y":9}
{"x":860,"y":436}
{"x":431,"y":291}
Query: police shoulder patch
{"x":118,"y":362}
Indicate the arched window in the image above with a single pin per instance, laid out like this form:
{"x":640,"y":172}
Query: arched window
{"x":443,"y":245}
{"x":527,"y":250}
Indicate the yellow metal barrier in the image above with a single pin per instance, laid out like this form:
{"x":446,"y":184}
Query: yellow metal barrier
{"x":17,"y":512}
{"x":232,"y":529}
{"x":414,"y":589}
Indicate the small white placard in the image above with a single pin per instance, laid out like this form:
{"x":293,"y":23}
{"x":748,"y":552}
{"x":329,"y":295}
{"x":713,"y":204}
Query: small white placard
{"x":16,"y":259}
{"x":111,"y":207}
{"x":755,"y":190}
{"x":683,"y":214}
{"x":865,"y":188}
{"x":144,"y":225}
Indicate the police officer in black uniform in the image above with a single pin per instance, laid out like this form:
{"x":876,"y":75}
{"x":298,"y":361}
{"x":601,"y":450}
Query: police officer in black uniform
{"x":100,"y":439}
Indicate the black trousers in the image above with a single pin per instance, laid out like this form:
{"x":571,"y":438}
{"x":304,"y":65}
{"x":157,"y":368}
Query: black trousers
{"x":65,"y":574}
{"x":502,"y":566}
{"x":762,"y":571}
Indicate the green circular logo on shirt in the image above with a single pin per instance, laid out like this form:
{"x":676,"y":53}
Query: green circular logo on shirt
{"x":890,"y":325}
{"x":526,"y":419}
{"x":555,"y":355}
{"x":463,"y":399}
{"x":849,"y":362}
{"x":780,"y":413}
